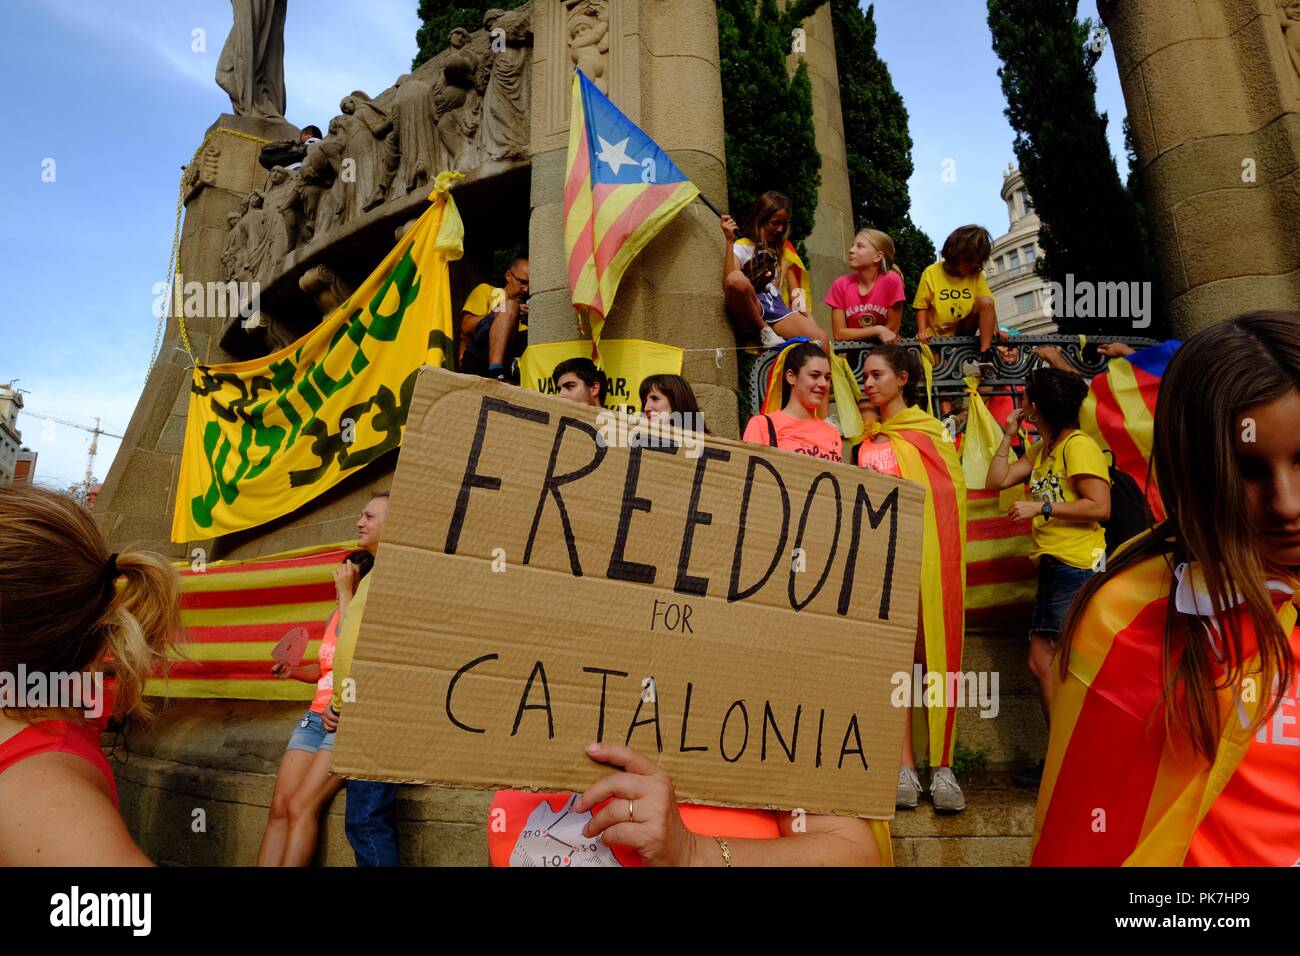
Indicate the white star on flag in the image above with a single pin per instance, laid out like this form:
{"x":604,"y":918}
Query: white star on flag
{"x":614,"y":155}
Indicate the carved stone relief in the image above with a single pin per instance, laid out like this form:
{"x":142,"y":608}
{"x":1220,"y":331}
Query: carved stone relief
{"x":587,"y":25}
{"x":467,"y":106}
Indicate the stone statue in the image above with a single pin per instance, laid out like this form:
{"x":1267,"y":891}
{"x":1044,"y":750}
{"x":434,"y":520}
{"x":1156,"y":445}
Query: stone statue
{"x":588,"y":29}
{"x":1288,"y":11}
{"x":251,"y":65}
{"x":234,"y":240}
{"x":458,"y":101}
{"x":315,"y":176}
{"x":257,"y":242}
{"x":415,"y":135}
{"x":506,"y":100}
{"x":364,"y":169}
{"x":282,"y":219}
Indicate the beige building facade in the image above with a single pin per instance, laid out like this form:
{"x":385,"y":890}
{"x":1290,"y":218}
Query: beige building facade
{"x":1018,"y":290}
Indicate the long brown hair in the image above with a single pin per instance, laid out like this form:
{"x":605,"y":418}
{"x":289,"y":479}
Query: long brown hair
{"x":678,"y":391}
{"x":1217,"y":374}
{"x":61,"y":609}
{"x":765,"y":207}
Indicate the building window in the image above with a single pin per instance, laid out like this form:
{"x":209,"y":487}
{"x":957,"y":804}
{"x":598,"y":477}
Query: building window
{"x":1025,"y":203}
{"x":1013,"y":259}
{"x":1030,"y":254}
{"x":1026,"y":302}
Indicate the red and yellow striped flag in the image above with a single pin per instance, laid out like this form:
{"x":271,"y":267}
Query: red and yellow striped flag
{"x":234,"y":612}
{"x":620,"y":190}
{"x":926,"y":455}
{"x":1118,"y":787}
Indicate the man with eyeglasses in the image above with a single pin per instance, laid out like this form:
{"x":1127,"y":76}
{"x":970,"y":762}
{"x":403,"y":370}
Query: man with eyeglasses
{"x":494,"y":325}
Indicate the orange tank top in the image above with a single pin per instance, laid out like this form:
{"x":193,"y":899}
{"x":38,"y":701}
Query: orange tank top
{"x":542,"y":829}
{"x":325,"y":686}
{"x":58,"y":736}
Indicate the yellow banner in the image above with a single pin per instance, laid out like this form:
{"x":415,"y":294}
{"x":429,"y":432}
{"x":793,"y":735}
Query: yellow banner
{"x":625,"y":362}
{"x":266,"y":436}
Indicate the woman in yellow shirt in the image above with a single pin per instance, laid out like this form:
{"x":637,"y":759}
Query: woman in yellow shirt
{"x":1069,"y":485}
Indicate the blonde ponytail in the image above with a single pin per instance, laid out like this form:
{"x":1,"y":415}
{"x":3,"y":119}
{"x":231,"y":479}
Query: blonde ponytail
{"x":68,"y":606}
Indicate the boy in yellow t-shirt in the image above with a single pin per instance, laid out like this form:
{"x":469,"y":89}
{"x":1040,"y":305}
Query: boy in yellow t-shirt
{"x":953,"y":297}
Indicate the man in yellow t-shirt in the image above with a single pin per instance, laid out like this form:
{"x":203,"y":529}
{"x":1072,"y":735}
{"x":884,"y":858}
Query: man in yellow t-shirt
{"x":494,"y":324}
{"x":953,"y":297}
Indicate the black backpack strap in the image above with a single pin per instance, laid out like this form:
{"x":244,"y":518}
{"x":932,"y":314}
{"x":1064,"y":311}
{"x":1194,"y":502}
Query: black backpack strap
{"x":771,"y":430}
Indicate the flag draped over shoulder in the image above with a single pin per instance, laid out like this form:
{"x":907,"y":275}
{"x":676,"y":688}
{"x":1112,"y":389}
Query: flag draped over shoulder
{"x":926,"y":455}
{"x":620,"y":189}
{"x":266,"y":436}
{"x":1110,"y":746}
{"x":1119,"y":412}
{"x":234,"y":612}
{"x":845,"y":392}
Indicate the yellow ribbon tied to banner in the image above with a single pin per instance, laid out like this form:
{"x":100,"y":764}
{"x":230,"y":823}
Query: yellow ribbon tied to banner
{"x":266,"y":436}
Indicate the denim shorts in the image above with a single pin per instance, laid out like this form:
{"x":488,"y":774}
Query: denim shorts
{"x":310,"y":734}
{"x":1058,"y":582}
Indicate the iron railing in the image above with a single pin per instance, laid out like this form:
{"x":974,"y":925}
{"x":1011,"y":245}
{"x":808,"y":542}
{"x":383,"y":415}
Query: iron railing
{"x":951,"y":354}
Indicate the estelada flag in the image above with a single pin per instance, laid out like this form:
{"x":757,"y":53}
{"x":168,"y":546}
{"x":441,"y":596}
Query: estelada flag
{"x":620,"y":189}
{"x":1120,"y":787}
{"x":1119,"y":413}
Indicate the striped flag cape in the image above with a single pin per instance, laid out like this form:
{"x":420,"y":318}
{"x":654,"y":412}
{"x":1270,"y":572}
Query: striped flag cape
{"x":620,"y":189}
{"x":1110,"y":751}
{"x":234,"y":612}
{"x":1001,"y":580}
{"x":1119,"y":412}
{"x":926,"y":455}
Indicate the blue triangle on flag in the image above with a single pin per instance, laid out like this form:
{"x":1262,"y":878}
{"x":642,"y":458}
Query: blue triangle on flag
{"x":621,"y":152}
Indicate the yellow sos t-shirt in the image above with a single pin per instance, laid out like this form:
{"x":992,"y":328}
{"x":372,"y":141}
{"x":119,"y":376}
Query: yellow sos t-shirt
{"x":1077,"y":543}
{"x":949,"y":299}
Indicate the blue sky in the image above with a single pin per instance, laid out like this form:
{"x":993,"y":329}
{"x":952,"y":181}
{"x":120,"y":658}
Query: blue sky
{"x":118,"y":96}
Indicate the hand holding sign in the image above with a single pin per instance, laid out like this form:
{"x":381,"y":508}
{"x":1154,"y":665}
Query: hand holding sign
{"x":642,"y":810}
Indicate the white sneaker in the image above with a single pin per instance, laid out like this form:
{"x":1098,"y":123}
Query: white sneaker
{"x":944,"y":792}
{"x":769,"y":339}
{"x":909,"y":789}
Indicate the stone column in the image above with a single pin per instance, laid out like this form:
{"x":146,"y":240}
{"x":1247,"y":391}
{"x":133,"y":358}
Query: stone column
{"x":832,"y":233}
{"x":661,"y":69}
{"x":1213,"y":94}
{"x":134,"y":508}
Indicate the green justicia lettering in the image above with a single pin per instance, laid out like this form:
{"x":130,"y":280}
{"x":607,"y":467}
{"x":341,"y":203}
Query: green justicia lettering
{"x":405,"y":278}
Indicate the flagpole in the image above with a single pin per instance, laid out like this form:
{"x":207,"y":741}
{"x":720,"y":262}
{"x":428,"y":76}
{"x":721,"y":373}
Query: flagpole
{"x":712,"y":208}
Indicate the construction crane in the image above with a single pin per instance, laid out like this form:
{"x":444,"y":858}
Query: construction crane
{"x":94,"y":442}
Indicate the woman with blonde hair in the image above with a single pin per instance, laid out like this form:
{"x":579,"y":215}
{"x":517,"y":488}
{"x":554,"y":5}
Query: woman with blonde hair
{"x":1176,"y":700}
{"x":67,"y":605}
{"x":867,"y":304}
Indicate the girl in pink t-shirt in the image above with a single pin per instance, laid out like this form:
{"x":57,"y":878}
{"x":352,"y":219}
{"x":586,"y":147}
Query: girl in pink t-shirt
{"x":867,"y":305}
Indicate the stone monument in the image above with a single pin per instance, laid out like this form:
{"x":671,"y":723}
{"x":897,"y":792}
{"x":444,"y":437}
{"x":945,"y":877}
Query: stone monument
{"x":1213,"y":94}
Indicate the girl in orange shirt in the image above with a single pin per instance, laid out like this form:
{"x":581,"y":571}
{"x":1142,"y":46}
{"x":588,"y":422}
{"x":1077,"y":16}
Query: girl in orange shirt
{"x":805,"y":376}
{"x":1175,"y":705}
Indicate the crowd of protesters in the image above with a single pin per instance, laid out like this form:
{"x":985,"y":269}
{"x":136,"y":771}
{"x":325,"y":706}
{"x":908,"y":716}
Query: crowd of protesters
{"x":1214,"y":578}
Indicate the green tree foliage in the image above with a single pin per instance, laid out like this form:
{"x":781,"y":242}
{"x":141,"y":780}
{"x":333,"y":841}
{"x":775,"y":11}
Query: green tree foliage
{"x":1092,"y":227}
{"x":767,"y":111}
{"x":877,"y":141}
{"x":440,"y":18}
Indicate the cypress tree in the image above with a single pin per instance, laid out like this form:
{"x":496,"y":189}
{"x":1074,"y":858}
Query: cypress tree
{"x":440,"y":18}
{"x":877,"y":141}
{"x":767,"y":111}
{"x":1091,"y":224}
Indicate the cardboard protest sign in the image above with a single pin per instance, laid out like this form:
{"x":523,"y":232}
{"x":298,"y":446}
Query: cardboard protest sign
{"x":733,"y":611}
